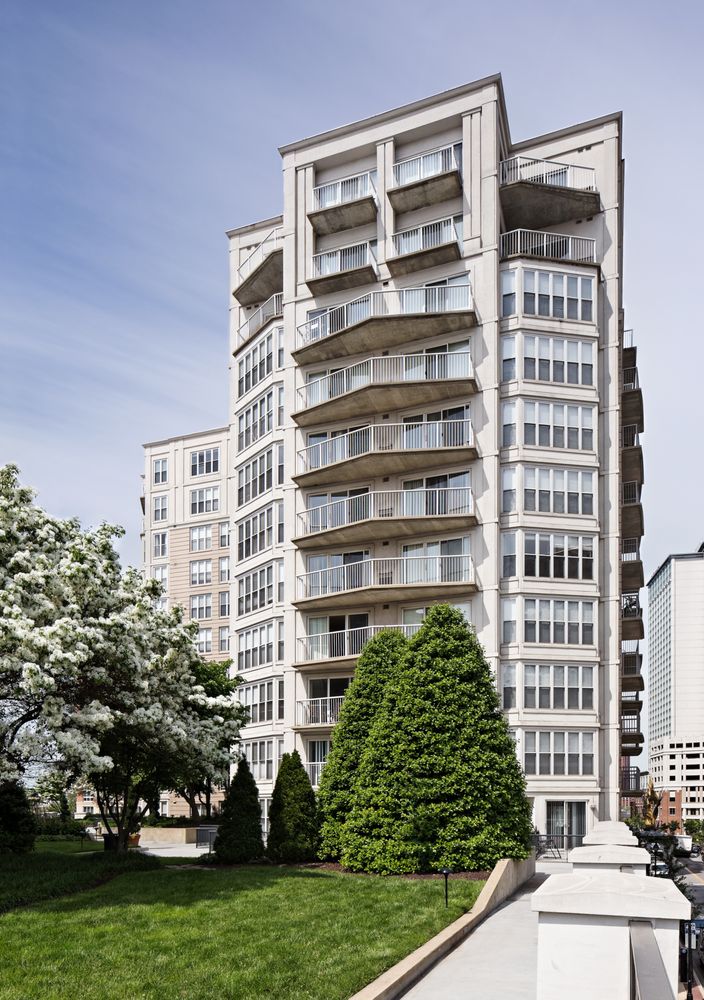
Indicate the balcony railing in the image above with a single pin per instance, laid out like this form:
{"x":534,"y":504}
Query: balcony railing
{"x":629,"y":339}
{"x":426,"y":237}
{"x":630,"y":379}
{"x":314,"y":769}
{"x":272,"y":241}
{"x":428,"y":164}
{"x":553,"y":246}
{"x":630,"y":779}
{"x":630,"y":438}
{"x":630,"y":493}
{"x":550,"y":172}
{"x":430,"y":435}
{"x":331,"y":645}
{"x":398,"y":302}
{"x":318,"y":711}
{"x":344,"y":190}
{"x":630,"y":724}
{"x":272,"y":308}
{"x":347,"y":258}
{"x":410,"y":571}
{"x":387,"y":504}
{"x":630,"y":606}
{"x":630,"y":549}
{"x":386,"y":371}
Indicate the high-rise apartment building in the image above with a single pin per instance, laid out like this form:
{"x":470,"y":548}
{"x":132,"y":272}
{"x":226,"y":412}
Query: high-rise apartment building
{"x":433,"y":402}
{"x":676,"y":684}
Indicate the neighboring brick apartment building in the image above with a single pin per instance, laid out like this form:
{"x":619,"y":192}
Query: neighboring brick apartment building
{"x":434,"y":401}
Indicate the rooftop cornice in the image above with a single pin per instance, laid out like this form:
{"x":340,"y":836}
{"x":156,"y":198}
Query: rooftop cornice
{"x":186,"y":437}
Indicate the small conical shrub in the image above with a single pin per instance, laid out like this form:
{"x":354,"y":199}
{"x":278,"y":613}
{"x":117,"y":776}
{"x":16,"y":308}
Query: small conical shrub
{"x":239,"y":836}
{"x":293,"y":821}
{"x":17,"y":825}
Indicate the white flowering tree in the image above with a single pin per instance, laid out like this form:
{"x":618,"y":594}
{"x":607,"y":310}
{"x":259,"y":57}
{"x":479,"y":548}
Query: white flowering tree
{"x":92,"y":677}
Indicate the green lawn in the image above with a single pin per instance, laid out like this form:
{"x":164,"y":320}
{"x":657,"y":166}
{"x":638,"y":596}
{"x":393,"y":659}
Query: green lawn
{"x":237,"y":934}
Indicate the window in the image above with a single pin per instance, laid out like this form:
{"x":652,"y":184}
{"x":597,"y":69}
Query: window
{"x":160,"y":508}
{"x":224,"y":529}
{"x":550,"y":359}
{"x":558,"y":491}
{"x":280,"y":522}
{"x":205,"y":462}
{"x":204,"y":640}
{"x":556,"y":686}
{"x":280,"y":641}
{"x":224,"y":569}
{"x":255,"y":646}
{"x":255,"y":590}
{"x":280,"y":464}
{"x":224,"y":638}
{"x":263,"y":700}
{"x":558,"y":753}
{"x":201,"y":538}
{"x":508,"y":491}
{"x":206,"y":500}
{"x":508,"y":358}
{"x":553,"y":621}
{"x":508,"y":423}
{"x":508,"y":619}
{"x":557,"y":425}
{"x":508,"y":553}
{"x":508,"y":293}
{"x":255,"y":534}
{"x":224,"y":601}
{"x":201,"y":606}
{"x":161,"y":575}
{"x":568,"y":557}
{"x":260,"y":757}
{"x":201,"y":572}
{"x":160,"y":544}
{"x":257,"y":420}
{"x":256,"y":364}
{"x":161,"y":471}
{"x":508,"y":685}
{"x":560,"y":296}
{"x":255,"y":477}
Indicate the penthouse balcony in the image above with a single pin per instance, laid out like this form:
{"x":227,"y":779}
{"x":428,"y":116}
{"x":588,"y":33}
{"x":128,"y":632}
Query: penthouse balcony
{"x":548,"y":246}
{"x":632,"y":523}
{"x":383,"y":580}
{"x":630,"y":781}
{"x":538,"y":193}
{"x":631,"y":399}
{"x":344,"y":204}
{"x":631,"y":663}
{"x":381,"y":384}
{"x":343,"y":645}
{"x":385,"y":319}
{"x":434,"y":243}
{"x":261,"y":274}
{"x":631,"y":455}
{"x":427,"y":179}
{"x":386,"y":514}
{"x":631,"y":565}
{"x":318,"y":713}
{"x":631,"y":617}
{"x":273,"y":308}
{"x":386,"y":449}
{"x":344,"y":267}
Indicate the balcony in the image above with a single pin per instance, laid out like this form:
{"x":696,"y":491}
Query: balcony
{"x":427,"y":179}
{"x":262,"y":273}
{"x":631,"y":565}
{"x":346,"y":645}
{"x":632,"y":524}
{"x":631,"y":703}
{"x":631,"y":399}
{"x":382,"y":580}
{"x":631,"y":729}
{"x":631,"y":663}
{"x":344,"y":267}
{"x":313,"y":770}
{"x":386,"y":449}
{"x":273,"y":308}
{"x":537,"y":193}
{"x":548,"y":246}
{"x":631,"y":617}
{"x":384,"y":515}
{"x":318,"y":712}
{"x":344,"y":204}
{"x":381,"y":384}
{"x":631,"y":455}
{"x":630,"y":781}
{"x":425,"y":246}
{"x":385,"y":319}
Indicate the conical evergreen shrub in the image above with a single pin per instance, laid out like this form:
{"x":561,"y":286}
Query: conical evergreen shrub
{"x":378,"y":661}
{"x":17,"y":825}
{"x":239,"y":836}
{"x":439,"y":784}
{"x":293,"y":821}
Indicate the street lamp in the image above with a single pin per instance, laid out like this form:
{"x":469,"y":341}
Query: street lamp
{"x":690,"y":940}
{"x":446,"y":872}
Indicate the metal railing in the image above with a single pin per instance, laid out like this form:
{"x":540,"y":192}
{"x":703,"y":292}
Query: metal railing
{"x":350,"y":642}
{"x":556,"y":845}
{"x":427,"y":164}
{"x":630,"y":606}
{"x":347,"y":258}
{"x":630,"y":379}
{"x":630,"y":779}
{"x":426,"y":237}
{"x":554,"y":246}
{"x":630,"y":438}
{"x":629,"y":339}
{"x":346,"y":189}
{"x":630,"y":549}
{"x":631,"y":493}
{"x":649,"y":978}
{"x":313,"y":770}
{"x":205,"y":837}
{"x":397,"y":302}
{"x":271,"y":309}
{"x":550,"y":172}
{"x":272,"y":241}
{"x":386,"y":371}
{"x":318,"y":711}
{"x":399,"y":571}
{"x":387,"y":504}
{"x":379,"y":438}
{"x":630,"y":724}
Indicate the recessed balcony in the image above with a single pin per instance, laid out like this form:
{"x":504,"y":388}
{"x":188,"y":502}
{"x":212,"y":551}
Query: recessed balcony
{"x":631,"y":617}
{"x":548,"y":246}
{"x":261,"y":274}
{"x":385,"y":319}
{"x":384,"y":450}
{"x":537,"y":193}
{"x":631,"y":455}
{"x":386,"y":514}
{"x":344,"y":204}
{"x":341,"y":646}
{"x":631,"y":399}
{"x":630,"y":781}
{"x":382,"y":580}
{"x":273,"y":308}
{"x":427,"y":179}
{"x":632,"y":523}
{"x":318,"y":713}
{"x":631,"y":565}
{"x":631,"y":663}
{"x":344,"y":267}
{"x":424,"y":246}
{"x":381,"y":384}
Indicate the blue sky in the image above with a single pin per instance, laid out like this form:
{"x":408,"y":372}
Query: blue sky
{"x":134,"y":134}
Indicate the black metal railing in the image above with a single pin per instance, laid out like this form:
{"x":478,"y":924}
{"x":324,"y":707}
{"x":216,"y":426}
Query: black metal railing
{"x":556,"y":845}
